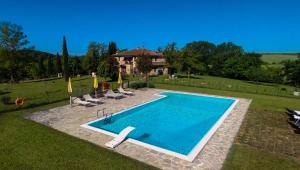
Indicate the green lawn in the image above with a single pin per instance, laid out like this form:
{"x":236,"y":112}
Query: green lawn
{"x":265,"y":140}
{"x":43,"y":92}
{"x":226,"y":84}
{"x":29,"y":145}
{"x":277,"y":58}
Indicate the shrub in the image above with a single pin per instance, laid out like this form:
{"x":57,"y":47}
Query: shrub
{"x":104,"y":84}
{"x":151,"y":85}
{"x":5,"y":100}
{"x":137,"y":84}
{"x":99,"y":92}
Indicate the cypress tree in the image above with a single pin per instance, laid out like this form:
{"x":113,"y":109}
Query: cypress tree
{"x":66,"y":59}
{"x":112,"y":48}
{"x":50,"y":68}
{"x":58,"y":64}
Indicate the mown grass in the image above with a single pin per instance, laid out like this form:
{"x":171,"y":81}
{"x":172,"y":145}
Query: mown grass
{"x":29,"y":145}
{"x":226,"y":84}
{"x":277,"y":58}
{"x":266,"y":140}
{"x":43,"y":92}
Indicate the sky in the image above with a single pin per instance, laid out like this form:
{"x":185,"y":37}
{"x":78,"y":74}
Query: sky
{"x":256,"y":25}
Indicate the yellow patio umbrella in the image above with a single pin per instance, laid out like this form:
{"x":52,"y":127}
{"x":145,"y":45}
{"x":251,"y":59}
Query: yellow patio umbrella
{"x":95,"y":85}
{"x":120,"y":79}
{"x":69,"y":86}
{"x":95,"y":82}
{"x":70,"y":90}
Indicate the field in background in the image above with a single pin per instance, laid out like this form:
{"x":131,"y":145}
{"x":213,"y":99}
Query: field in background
{"x":274,"y":59}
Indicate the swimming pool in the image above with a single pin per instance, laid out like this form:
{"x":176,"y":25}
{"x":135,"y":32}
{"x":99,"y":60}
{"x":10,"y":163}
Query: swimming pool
{"x":178,"y":124}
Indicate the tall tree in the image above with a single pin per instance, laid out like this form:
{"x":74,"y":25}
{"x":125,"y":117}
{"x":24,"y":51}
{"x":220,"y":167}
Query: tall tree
{"x":223,"y":52}
{"x":50,"y":66}
{"x":292,"y":72}
{"x":58,"y":64}
{"x":112,"y":48}
{"x":41,"y":67}
{"x":144,"y":65}
{"x":190,"y":64}
{"x":171,"y":54}
{"x":202,"y":51}
{"x":75,"y":66}
{"x":65,"y":55}
{"x":12,"y":39}
{"x":109,"y":67}
{"x":90,"y":61}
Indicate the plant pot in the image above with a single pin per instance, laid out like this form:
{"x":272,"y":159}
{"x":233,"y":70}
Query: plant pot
{"x":296,"y":93}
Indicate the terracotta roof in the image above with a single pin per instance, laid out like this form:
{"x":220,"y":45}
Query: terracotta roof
{"x":138,"y":52}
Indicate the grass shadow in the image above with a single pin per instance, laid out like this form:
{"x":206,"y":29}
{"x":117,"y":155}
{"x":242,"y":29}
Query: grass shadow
{"x":33,"y":105}
{"x":4,"y":92}
{"x":261,"y":83}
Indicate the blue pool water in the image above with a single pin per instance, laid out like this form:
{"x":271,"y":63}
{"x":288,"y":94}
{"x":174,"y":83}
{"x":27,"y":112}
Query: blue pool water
{"x":176,"y":123}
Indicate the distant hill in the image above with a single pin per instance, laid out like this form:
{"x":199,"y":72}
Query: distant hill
{"x":277,"y":58}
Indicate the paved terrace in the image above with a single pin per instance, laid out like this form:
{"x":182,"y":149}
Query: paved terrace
{"x":212,"y":156}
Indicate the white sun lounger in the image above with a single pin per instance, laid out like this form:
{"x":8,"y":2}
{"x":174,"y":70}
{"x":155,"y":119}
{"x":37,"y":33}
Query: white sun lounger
{"x":111,"y":94}
{"x":90,"y":99}
{"x":84,"y":103}
{"x":121,"y":90}
{"x":297,"y":112}
{"x":120,"y":138}
{"x":297,"y":118}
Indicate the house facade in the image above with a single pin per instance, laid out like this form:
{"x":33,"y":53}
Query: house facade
{"x":127,"y":61}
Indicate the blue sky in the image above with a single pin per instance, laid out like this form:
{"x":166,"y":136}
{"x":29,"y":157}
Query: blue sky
{"x":260,"y":26}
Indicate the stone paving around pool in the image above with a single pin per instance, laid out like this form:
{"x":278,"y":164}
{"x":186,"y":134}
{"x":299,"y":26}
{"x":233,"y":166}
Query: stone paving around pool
{"x":68,"y":120}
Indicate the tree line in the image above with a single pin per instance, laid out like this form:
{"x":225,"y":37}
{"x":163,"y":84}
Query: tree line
{"x":19,"y":61}
{"x":228,"y":60}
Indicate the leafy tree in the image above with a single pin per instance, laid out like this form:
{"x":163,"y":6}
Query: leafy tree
{"x":12,"y":39}
{"x":171,"y":54}
{"x":33,"y":70}
{"x":66,"y":59}
{"x":223,"y":52}
{"x":90,"y":61}
{"x":202,"y":51}
{"x":75,"y":66}
{"x":41,"y":67}
{"x":238,"y":67}
{"x":112,"y":48}
{"x":50,"y":66}
{"x":58,"y":64}
{"x":144,"y":65}
{"x":292,"y":72}
{"x":191,"y":64}
{"x":109,"y":66}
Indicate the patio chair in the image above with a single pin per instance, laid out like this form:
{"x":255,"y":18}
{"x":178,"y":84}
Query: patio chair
{"x":111,"y":94}
{"x":89,"y":98}
{"x":120,"y":138}
{"x":297,"y":120}
{"x":83,"y":103}
{"x":293,"y":112}
{"x":121,"y":90}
